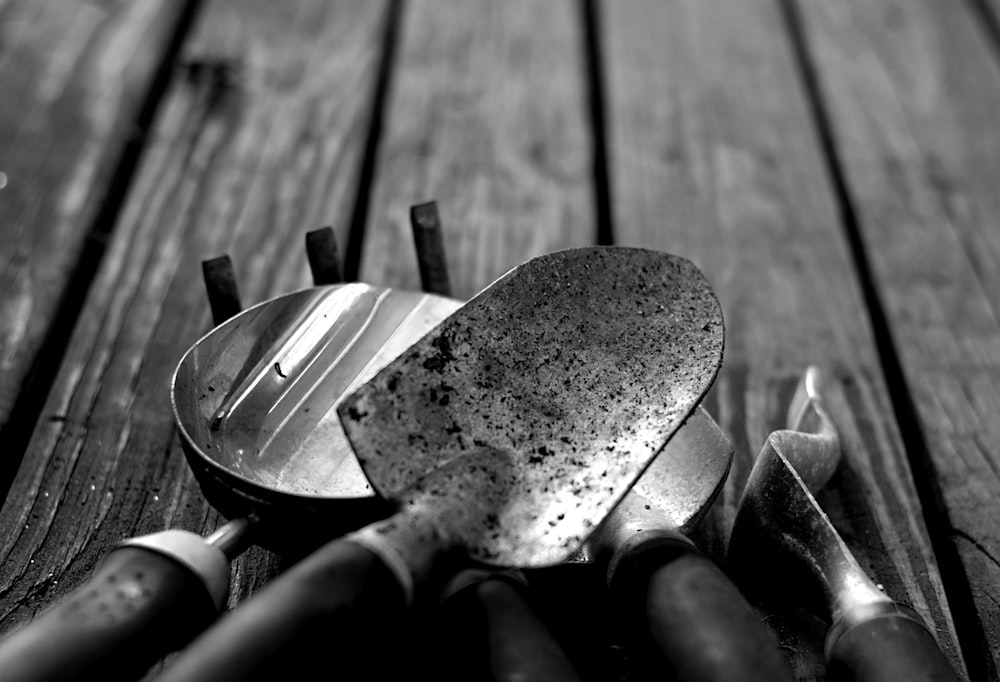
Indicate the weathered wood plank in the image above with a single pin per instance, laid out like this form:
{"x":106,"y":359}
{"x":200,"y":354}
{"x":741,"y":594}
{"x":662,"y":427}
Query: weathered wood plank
{"x":913,"y":91}
{"x":715,"y":156}
{"x":73,"y":79}
{"x":257,"y":143}
{"x":487,"y":115}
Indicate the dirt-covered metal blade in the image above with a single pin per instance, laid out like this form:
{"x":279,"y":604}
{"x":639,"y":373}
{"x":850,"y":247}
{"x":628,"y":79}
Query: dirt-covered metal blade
{"x":686,"y":477}
{"x":674,"y":492}
{"x":531,"y":410}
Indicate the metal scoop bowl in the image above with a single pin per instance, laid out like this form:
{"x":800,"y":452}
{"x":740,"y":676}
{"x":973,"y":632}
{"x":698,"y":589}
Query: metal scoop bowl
{"x":255,"y":401}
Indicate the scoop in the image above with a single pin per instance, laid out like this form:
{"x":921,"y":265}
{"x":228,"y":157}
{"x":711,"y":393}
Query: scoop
{"x":681,"y":611}
{"x":872,"y":638}
{"x":253,"y":402}
{"x":504,"y":437}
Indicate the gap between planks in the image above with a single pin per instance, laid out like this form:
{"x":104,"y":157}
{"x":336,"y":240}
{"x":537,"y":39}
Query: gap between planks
{"x":24,"y":415}
{"x":955,"y":581}
{"x":597,"y":104}
{"x":359,"y":216}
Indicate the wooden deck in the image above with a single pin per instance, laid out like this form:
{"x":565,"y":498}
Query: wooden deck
{"x":832,"y":167}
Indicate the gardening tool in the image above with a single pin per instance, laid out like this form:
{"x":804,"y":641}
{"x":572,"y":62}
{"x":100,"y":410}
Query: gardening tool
{"x":872,"y":638}
{"x":504,"y":436}
{"x":253,"y":401}
{"x":683,"y":612}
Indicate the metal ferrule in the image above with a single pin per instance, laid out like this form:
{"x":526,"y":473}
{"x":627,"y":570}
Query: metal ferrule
{"x":207,"y":562}
{"x":634,"y":514}
{"x":641,"y":538}
{"x":865,"y":613}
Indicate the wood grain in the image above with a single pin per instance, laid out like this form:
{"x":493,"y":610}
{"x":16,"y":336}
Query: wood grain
{"x":913,"y":91}
{"x":257,"y":143}
{"x":73,"y":77}
{"x":715,"y":156}
{"x":486,"y":115}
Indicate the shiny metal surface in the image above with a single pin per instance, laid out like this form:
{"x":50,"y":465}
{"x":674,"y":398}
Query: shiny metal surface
{"x":254,"y":399}
{"x":780,"y":520}
{"x":232,"y":537}
{"x":527,"y":415}
{"x":673,"y":493}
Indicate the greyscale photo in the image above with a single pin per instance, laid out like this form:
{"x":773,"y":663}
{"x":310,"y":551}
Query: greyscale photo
{"x":513,"y":341}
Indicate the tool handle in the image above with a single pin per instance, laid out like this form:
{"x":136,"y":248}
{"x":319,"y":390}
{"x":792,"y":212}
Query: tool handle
{"x":688,"y":616}
{"x":317,"y":616}
{"x":887,"y":643}
{"x":495,"y":634}
{"x":139,"y":605}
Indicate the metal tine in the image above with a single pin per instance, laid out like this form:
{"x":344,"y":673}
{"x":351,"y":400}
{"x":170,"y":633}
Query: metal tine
{"x":429,"y":242}
{"x":321,"y":249}
{"x":220,"y":284}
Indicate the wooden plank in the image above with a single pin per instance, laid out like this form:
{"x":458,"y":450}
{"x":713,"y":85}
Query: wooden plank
{"x":74,"y":77}
{"x":257,"y":143}
{"x":913,"y":91}
{"x":487,"y":115}
{"x":715,"y":156}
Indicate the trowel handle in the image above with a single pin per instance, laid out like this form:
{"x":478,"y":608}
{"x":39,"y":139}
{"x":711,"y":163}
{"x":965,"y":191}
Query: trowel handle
{"x":888,"y":643}
{"x":144,"y":600}
{"x":319,"y":615}
{"x":688,"y":616}
{"x":494,"y":633}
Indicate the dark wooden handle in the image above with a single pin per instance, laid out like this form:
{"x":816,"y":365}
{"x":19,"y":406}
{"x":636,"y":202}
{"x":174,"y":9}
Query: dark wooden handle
{"x":891,"y":647}
{"x":688,"y":617}
{"x":319,"y":618}
{"x":495,"y":634}
{"x":139,"y":606}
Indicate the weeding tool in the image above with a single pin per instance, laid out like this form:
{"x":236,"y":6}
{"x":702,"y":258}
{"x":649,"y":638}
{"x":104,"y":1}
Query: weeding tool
{"x":872,"y":638}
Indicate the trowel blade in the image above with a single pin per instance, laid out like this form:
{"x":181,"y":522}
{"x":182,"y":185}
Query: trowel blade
{"x":538,"y":403}
{"x":673,"y":493}
{"x":685,"y":478}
